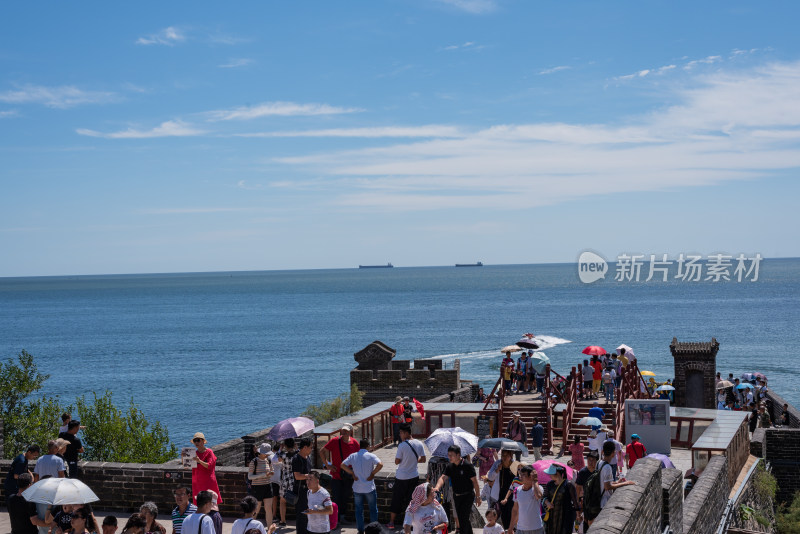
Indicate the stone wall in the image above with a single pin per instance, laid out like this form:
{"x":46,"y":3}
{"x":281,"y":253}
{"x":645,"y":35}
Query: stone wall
{"x":671,"y":500}
{"x":465,"y":394}
{"x":782,"y":451}
{"x":776,"y":409}
{"x":422,"y":383}
{"x":634,"y":509}
{"x":749,"y":496}
{"x":703,"y":507}
{"x":757,"y":443}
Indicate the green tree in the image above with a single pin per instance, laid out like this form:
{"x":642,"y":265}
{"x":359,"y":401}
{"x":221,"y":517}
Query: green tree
{"x":113,"y":436}
{"x":331,"y":409}
{"x":26,"y":421}
{"x":788,"y":518}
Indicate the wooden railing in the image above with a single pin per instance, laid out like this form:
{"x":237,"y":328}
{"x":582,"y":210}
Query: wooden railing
{"x":629,"y":388}
{"x":548,"y":404}
{"x":572,"y":400}
{"x":497,"y":395}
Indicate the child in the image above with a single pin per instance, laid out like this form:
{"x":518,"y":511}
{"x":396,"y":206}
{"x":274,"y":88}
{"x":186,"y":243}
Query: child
{"x":109,"y":524}
{"x":491,"y":523}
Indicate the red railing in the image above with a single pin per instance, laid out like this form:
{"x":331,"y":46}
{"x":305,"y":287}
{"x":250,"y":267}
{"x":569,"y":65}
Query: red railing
{"x":548,"y":403}
{"x":572,"y":400}
{"x":497,"y":395}
{"x":629,"y":388}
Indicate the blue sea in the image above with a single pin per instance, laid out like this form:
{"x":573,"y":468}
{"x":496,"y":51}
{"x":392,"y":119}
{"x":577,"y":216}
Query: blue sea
{"x":230,"y":353}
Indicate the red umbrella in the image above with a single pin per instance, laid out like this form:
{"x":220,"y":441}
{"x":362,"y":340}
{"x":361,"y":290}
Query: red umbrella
{"x":594,"y":350}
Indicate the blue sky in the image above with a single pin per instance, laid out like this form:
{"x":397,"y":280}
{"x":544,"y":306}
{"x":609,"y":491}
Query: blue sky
{"x":163,"y":137}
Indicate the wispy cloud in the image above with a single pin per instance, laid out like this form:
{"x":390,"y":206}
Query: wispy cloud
{"x":189,"y":211}
{"x":174,"y":128}
{"x":555,"y":69}
{"x":8,"y":114}
{"x":236,"y":63}
{"x":169,"y":36}
{"x":473,"y":6}
{"x":432,"y":130}
{"x":61,"y":97}
{"x":469,"y":45}
{"x":281,"y":109}
{"x":735,"y":125}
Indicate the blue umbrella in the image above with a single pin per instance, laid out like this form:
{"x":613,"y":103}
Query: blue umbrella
{"x":745,"y":385}
{"x":539,"y":361}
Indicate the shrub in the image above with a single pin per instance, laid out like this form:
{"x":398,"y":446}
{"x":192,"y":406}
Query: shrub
{"x":331,"y":409}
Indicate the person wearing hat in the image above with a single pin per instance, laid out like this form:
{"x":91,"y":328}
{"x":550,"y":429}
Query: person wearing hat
{"x":336,"y":450}
{"x":260,"y":474}
{"x":516,"y":430}
{"x":396,"y":413}
{"x":204,"y":476}
{"x":560,"y":501}
{"x":635,"y":450}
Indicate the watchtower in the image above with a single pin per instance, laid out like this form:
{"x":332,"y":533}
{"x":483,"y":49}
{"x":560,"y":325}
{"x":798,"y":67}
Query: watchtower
{"x":695,"y":371}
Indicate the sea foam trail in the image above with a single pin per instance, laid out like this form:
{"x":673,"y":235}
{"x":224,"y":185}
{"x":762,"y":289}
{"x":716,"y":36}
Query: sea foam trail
{"x":546,"y":342}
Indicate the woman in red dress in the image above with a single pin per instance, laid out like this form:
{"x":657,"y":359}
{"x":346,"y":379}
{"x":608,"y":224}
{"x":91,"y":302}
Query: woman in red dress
{"x":203,"y":476}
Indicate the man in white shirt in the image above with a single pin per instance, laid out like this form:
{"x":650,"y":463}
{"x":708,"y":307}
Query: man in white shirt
{"x":606,"y":475}
{"x":200,"y":522}
{"x":320,"y":506}
{"x":50,"y":465}
{"x":410,"y":452}
{"x":526,"y":517}
{"x":363,"y":466}
{"x":619,"y":456}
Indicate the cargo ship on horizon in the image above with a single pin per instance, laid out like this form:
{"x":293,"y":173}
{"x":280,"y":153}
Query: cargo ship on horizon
{"x":387,"y":266}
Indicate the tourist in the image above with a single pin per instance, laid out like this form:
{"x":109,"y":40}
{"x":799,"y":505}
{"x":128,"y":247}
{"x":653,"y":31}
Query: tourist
{"x":249,"y":506}
{"x":486,"y":457}
{"x":410,"y":453}
{"x":523,"y":362}
{"x":623,"y":358}
{"x":619,"y":454}
{"x":300,"y":474}
{"x":66,"y":417}
{"x":461,"y":475}
{"x":516,"y":430}
{"x":609,"y":380}
{"x":408,"y":410}
{"x":634,"y":450}
{"x":785,"y":416}
{"x":526,"y":517}
{"x":596,"y":439}
{"x":109,"y":525}
{"x":587,"y":372}
{"x":507,"y":370}
{"x":479,"y":398}
{"x":21,"y":513}
{"x":580,"y":486}
{"x":82,"y":521}
{"x":363,"y":466}
{"x":501,"y":478}
{"x":396,"y":414}
{"x":214,"y":514}
{"x":278,"y":498}
{"x":74,"y":448}
{"x":200,"y":522}
{"x":204,"y":476}
{"x":183,"y":508}
{"x":537,"y":439}
{"x":607,"y":475}
{"x":616,"y":364}
{"x":19,"y":465}
{"x":560,"y":501}
{"x":764,"y":420}
{"x":424,"y":513}
{"x":260,"y":475}
{"x":753,"y":419}
{"x":287,"y":477}
{"x":597,"y":375}
{"x":134,"y":525}
{"x":319,"y":506}
{"x":49,"y":465}
{"x":539,"y":382}
{"x":491,"y":526}
{"x":62,"y":520}
{"x":597,"y":411}
{"x":336,"y":450}
{"x":149,"y":512}
{"x":576,"y":449}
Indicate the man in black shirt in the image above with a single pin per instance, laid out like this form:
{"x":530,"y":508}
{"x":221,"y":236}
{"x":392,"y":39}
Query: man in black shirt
{"x":580,"y":482}
{"x":18,"y":467}
{"x":21,"y":513}
{"x":300,"y":472}
{"x":465,"y":487}
{"x":74,"y":448}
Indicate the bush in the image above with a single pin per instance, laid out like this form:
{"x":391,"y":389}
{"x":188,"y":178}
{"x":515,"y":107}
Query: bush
{"x":788,"y":519}
{"x":328,"y":410}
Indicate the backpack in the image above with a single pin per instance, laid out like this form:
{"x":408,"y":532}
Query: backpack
{"x":334,"y":517}
{"x":593,"y":492}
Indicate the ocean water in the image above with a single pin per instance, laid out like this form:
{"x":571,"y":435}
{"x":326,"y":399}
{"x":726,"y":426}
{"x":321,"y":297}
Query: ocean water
{"x":229,"y":353}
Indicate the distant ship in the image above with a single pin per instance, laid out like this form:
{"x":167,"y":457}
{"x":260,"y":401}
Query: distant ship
{"x":387,"y":266}
{"x":479,"y":264}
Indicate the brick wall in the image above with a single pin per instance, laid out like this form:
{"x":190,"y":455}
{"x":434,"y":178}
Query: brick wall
{"x":423,"y":384}
{"x":703,"y":507}
{"x":777,"y":409}
{"x":671,"y":500}
{"x":757,"y":443}
{"x":634,"y":509}
{"x":465,"y":394}
{"x":782,"y":451}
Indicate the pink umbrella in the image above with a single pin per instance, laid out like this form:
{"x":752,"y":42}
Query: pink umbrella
{"x":542,"y":465}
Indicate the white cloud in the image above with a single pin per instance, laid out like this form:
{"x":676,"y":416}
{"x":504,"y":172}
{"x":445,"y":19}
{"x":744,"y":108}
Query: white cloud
{"x":174,"y":128}
{"x":61,"y":97}
{"x":282,"y":109}
{"x":728,"y":126}
{"x":469,"y":45}
{"x":8,"y":114}
{"x":555,"y":69}
{"x":473,"y":6}
{"x":705,"y":61}
{"x":432,"y":130}
{"x":168,"y":36}
{"x":236,"y":63}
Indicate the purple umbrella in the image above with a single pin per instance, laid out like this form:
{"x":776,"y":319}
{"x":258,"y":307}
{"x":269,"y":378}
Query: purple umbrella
{"x":665,"y":461}
{"x":290,"y":428}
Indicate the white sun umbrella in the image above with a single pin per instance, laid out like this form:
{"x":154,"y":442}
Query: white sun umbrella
{"x":590,"y":421}
{"x":628,"y":350}
{"x":442,"y":438}
{"x":665,"y":387}
{"x":58,"y":491}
